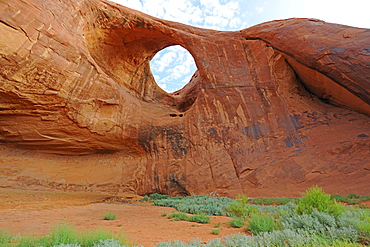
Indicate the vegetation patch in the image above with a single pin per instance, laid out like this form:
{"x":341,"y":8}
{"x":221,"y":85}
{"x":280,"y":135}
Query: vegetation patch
{"x":199,"y":218}
{"x":66,"y":235}
{"x":236,"y":222}
{"x":316,"y":219}
{"x":216,"y":231}
{"x":109,"y":216}
{"x":350,"y":199}
{"x":259,"y":223}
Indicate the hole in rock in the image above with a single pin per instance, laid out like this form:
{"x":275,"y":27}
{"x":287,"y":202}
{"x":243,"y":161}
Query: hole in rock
{"x":172,"y":68}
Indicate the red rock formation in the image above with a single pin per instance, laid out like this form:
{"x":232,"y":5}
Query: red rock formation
{"x":80,"y":109}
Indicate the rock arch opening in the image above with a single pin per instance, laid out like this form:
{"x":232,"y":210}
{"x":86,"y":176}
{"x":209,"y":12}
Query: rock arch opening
{"x":124,"y":52}
{"x":173,"y":68}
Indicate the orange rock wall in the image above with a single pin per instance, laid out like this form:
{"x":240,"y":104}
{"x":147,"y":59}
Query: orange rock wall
{"x":271,"y":110}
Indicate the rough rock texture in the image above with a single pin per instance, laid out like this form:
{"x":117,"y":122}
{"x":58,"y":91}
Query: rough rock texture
{"x":271,"y":110}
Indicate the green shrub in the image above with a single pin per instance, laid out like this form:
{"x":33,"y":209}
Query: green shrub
{"x":108,"y":243}
{"x":199,"y":218}
{"x":236,"y":222}
{"x":282,"y":201}
{"x":314,"y":197}
{"x":353,"y":196}
{"x":197,"y":204}
{"x":351,"y":199}
{"x":64,"y":234}
{"x":263,"y":201}
{"x":364,"y":230}
{"x":177,"y":216}
{"x":30,"y":241}
{"x":157,"y":196}
{"x":239,"y":207}
{"x":261,"y":223}
{"x":5,"y":237}
{"x":145,"y":198}
{"x":177,"y":243}
{"x":109,"y":216}
{"x":257,"y":201}
{"x":216,"y":231}
{"x":336,"y":209}
{"x":92,"y":237}
{"x":217,"y":225}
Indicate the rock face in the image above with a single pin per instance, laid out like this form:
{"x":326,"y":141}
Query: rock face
{"x":272,"y":109}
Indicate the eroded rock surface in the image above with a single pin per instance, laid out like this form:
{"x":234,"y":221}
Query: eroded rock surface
{"x":271,"y":110}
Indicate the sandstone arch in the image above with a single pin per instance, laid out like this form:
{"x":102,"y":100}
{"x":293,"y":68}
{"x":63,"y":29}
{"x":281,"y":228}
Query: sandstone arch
{"x":80,"y":109}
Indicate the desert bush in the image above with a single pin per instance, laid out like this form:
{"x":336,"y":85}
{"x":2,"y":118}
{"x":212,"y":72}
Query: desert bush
{"x":145,"y":198}
{"x":109,"y":216}
{"x":92,"y":237}
{"x":101,"y":243}
{"x":5,"y":237}
{"x":336,"y":209}
{"x":363,"y":227}
{"x":286,"y":237}
{"x":238,"y":208}
{"x":314,"y":197}
{"x":353,"y":196}
{"x":108,"y":243}
{"x":277,"y":211}
{"x":177,"y":243}
{"x":178,"y":216}
{"x":283,"y":200}
{"x":157,"y":196}
{"x":308,"y":222}
{"x":199,"y":218}
{"x":236,"y":222}
{"x":66,"y":235}
{"x":351,"y":199}
{"x":216,"y":231}
{"x":263,"y":201}
{"x":197,"y":204}
{"x":320,"y":224}
{"x":358,"y":219}
{"x":261,"y":223}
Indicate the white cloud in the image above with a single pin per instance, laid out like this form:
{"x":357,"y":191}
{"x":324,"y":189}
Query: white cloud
{"x":259,"y":10}
{"x":215,"y":21}
{"x":164,"y":61}
{"x":353,"y":13}
{"x":235,"y":22}
{"x":176,"y":68}
{"x":163,"y":86}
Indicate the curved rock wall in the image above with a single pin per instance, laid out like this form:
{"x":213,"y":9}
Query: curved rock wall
{"x":271,"y":110}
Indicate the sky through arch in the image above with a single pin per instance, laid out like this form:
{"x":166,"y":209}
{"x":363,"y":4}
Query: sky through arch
{"x":172,"y":68}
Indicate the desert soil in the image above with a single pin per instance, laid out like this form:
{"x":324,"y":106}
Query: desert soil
{"x":36,"y":212}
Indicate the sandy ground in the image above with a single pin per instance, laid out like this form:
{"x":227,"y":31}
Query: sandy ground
{"x":36,"y":212}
